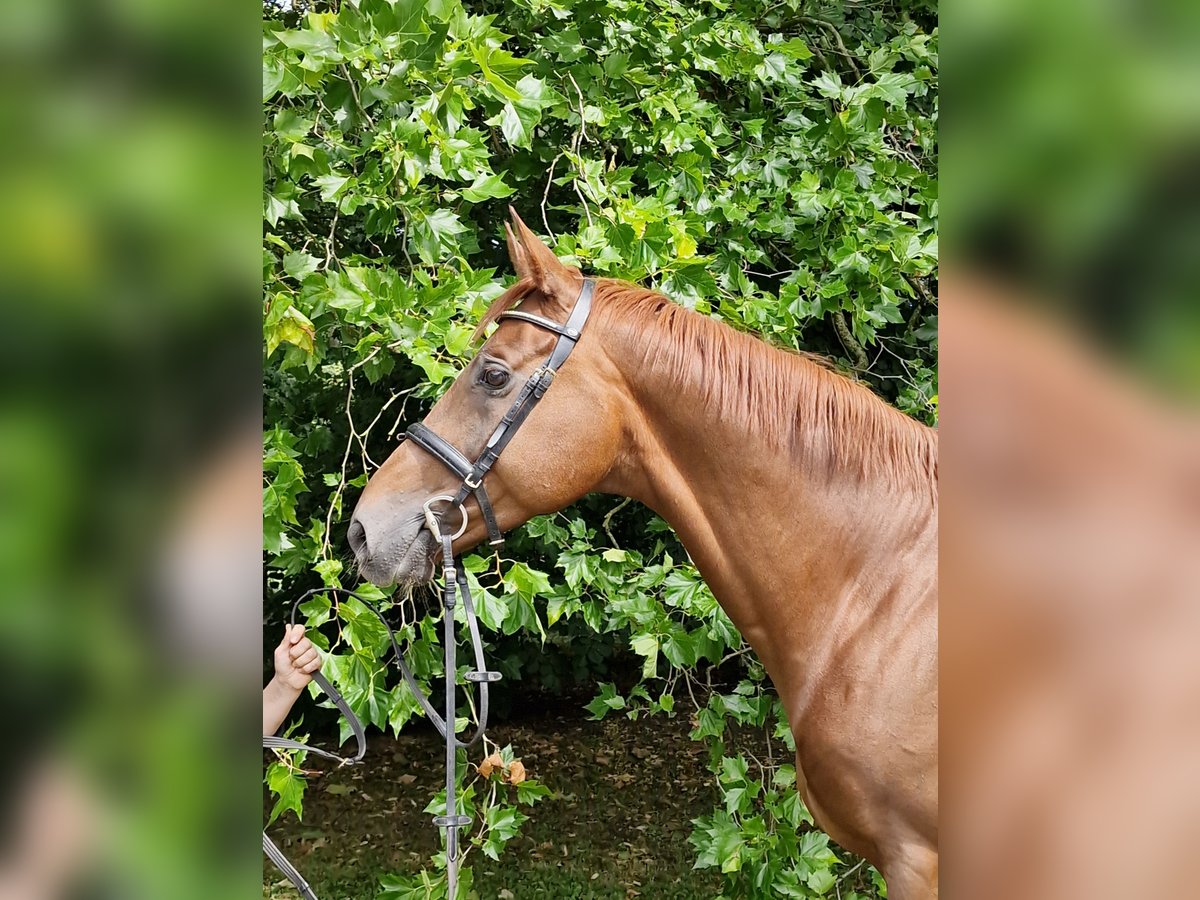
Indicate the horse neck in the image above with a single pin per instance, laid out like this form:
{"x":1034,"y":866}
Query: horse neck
{"x":780,"y":540}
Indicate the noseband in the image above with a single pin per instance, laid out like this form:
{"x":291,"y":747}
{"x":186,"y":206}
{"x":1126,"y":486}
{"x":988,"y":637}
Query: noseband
{"x":472,"y":474}
{"x":455,"y":586}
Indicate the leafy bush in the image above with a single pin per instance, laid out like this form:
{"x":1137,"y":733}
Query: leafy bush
{"x":770,"y":164}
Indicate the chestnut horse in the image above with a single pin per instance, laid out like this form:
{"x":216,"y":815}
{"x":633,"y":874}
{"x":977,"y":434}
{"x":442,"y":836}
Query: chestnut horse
{"x":808,"y":504}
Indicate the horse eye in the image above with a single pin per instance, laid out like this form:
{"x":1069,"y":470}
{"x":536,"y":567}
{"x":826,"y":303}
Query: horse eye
{"x":495,"y":378}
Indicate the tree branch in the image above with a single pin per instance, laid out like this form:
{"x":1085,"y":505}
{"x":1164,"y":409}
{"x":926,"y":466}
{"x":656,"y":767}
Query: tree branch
{"x":837,"y":37}
{"x":849,"y":341}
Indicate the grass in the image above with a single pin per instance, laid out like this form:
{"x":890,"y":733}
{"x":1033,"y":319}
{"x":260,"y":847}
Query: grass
{"x":617,"y":827}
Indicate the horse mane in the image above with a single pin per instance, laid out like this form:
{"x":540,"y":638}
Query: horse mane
{"x":795,"y":400}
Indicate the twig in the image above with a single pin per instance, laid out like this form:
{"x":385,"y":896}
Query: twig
{"x":366,"y":433}
{"x":608,"y":519}
{"x":854,"y":868}
{"x":370,"y":356}
{"x":399,"y":418}
{"x":846,"y":336}
{"x":579,"y":136}
{"x":837,"y":37}
{"x":816,"y":48}
{"x":404,"y":243}
{"x":337,"y":494}
{"x":579,"y":193}
{"x":546,"y":193}
{"x":893,"y":140}
{"x":920,"y":288}
{"x":687,"y":682}
{"x":582,"y":123}
{"x":354,"y":93}
{"x":746,"y":648}
{"x":329,"y":255}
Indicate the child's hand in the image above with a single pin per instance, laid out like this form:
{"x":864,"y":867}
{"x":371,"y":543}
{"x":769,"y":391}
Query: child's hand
{"x":296,"y":659}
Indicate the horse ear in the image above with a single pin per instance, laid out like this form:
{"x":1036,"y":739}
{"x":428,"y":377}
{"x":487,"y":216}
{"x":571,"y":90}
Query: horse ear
{"x":532,"y":259}
{"x":517,"y":254}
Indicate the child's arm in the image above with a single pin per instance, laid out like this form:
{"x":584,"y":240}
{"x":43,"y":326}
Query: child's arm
{"x":295,"y":660}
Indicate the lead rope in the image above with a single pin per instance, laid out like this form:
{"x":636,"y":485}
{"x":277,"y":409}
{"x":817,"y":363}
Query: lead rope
{"x":454,"y":588}
{"x":454,"y":584}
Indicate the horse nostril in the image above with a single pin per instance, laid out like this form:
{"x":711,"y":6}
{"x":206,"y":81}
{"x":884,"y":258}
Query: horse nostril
{"x":357,"y":536}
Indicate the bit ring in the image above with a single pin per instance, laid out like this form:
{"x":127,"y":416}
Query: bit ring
{"x":431,"y":520}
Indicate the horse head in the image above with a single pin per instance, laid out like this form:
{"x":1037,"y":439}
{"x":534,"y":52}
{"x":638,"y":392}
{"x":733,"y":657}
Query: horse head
{"x":557,"y":455}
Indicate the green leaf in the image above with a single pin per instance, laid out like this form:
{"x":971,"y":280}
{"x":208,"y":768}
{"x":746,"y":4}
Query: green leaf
{"x":517,"y":123}
{"x":291,"y":126}
{"x":606,"y":701}
{"x":299,"y":265}
{"x":280,"y":208}
{"x":530,"y":792}
{"x":523,"y":112}
{"x":313,"y":42}
{"x":558,"y":608}
{"x":331,"y":185}
{"x":647,"y":645}
{"x":435,"y":234}
{"x":288,"y":788}
{"x":828,"y":84}
{"x":486,"y":187}
{"x":892,"y":88}
{"x":293,"y":328}
{"x":329,"y":570}
{"x":772,"y":67}
{"x":527,"y":582}
{"x":734,"y":769}
{"x":494,"y":65}
{"x":793,"y":49}
{"x":492,"y":610}
{"x":736,"y":800}
{"x":435,"y":370}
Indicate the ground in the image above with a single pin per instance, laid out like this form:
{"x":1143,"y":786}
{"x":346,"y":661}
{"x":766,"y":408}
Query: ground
{"x":617,"y":827}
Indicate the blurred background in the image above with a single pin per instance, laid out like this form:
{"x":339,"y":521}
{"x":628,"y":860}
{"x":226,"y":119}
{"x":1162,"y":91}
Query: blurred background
{"x":129,"y":447}
{"x":1070,"y":167}
{"x":1070,"y":359}
{"x":129,"y":500}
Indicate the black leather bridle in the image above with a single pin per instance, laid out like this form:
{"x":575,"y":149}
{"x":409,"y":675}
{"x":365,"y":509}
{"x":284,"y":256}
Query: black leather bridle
{"x":473,"y":473}
{"x":454,"y":588}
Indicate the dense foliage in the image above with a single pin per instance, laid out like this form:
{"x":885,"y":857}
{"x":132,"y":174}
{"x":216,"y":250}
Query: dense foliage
{"x":770,"y":164}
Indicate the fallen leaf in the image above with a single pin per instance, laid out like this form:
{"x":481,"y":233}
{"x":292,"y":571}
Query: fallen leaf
{"x":490,"y":765}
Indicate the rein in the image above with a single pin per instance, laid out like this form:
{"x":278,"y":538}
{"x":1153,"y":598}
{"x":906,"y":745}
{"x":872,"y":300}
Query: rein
{"x":454,"y":588}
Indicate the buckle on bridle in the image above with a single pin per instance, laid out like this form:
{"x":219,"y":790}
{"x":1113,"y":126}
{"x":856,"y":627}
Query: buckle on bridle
{"x":470,"y":482}
{"x":544,"y":378}
{"x":431,"y":520}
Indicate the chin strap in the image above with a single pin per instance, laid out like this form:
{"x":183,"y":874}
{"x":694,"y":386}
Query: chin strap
{"x":454,"y":589}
